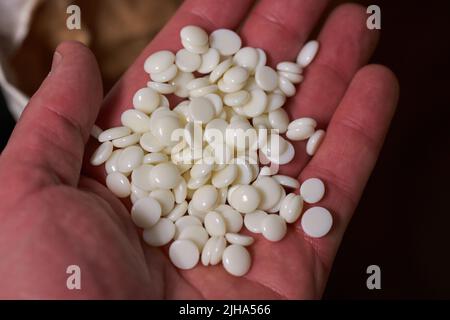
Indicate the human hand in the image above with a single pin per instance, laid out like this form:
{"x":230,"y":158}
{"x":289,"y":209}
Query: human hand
{"x":53,"y":217}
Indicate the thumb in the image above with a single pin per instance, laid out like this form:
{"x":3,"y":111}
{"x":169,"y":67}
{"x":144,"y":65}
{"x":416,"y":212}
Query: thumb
{"x":47,"y":143}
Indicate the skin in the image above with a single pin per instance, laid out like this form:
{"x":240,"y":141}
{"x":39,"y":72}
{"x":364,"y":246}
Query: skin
{"x":55,"y":212}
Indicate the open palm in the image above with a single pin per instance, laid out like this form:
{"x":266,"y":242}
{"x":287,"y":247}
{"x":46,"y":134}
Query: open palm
{"x":53,"y":217}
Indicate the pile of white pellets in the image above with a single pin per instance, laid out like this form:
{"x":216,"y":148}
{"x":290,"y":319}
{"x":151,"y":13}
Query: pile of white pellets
{"x":198,"y":173}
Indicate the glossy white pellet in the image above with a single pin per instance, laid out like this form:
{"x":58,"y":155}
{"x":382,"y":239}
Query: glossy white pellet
{"x":277,"y":206}
{"x":180,"y":82}
{"x":193,"y":48}
{"x":300,"y":133}
{"x":164,"y":88}
{"x":165,"y":175}
{"x":140,"y":177}
{"x":215,"y":130}
{"x":215,"y":224}
{"x":312,"y":190}
{"x":178,"y":211}
{"x":198,"y":83}
{"x":146,"y":212}
{"x":228,"y":87}
{"x":119,"y":184}
{"x":136,"y":120}
{"x":316,"y":222}
{"x":307,"y":53}
{"x":262,"y":57}
{"x":187,"y":61}
{"x":217,"y":102}
{"x":244,"y":173}
{"x":236,"y":99}
{"x":236,"y":260}
{"x":240,"y":239}
{"x":204,"y":198}
{"x":160,"y":234}
{"x":301,"y":122}
{"x":273,"y":227}
{"x":274,"y":146}
{"x":196,"y":234}
{"x":234,"y":132}
{"x":113,"y":133}
{"x":222,"y":196}
{"x":221,"y":68}
{"x":201,"y":109}
{"x":253,"y":220}
{"x":266,"y":78}
{"x":292,"y":77}
{"x":286,"y":156}
{"x":227,"y":42}
{"x":246,"y":57}
{"x":279,"y":120}
{"x":162,"y":129}
{"x":180,"y":191}
{"x":194,"y":34}
{"x":210,"y":60}
{"x":159,"y":61}
{"x":127,"y":140}
{"x":235,"y":75}
{"x":137,"y":193}
{"x":265,"y":171}
{"x":195,"y":183}
{"x":269,"y":190}
{"x":200,"y":92}
{"x":111,"y":163}
{"x":184,"y":222}
{"x":213,"y":250}
{"x":286,"y":86}
{"x":166,"y":75}
{"x":201,"y":169}
{"x":245,"y":198}
{"x":287,"y":66}
{"x":184,"y":254}
{"x":102,"y":153}
{"x":314,"y":142}
{"x":130,"y":158}
{"x":233,"y":219}
{"x":165,"y":198}
{"x":287,"y":181}
{"x":256,"y":104}
{"x":225,"y":177}
{"x":150,"y":143}
{"x":275,"y":101}
{"x":291,"y":207}
{"x":155,"y":158}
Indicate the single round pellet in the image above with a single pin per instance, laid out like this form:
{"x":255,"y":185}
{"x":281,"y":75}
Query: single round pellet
{"x":184,"y":254}
{"x":316,"y":222}
{"x":312,"y":190}
{"x":236,"y":260}
{"x":160,"y":234}
{"x":273,"y":227}
{"x":159,"y":61}
{"x":119,"y":184}
{"x":146,"y":212}
{"x":227,"y":42}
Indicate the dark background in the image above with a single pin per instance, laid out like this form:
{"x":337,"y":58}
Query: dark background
{"x":403,"y":219}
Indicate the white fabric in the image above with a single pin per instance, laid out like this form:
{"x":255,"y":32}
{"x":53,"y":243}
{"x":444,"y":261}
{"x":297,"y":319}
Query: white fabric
{"x":15,"y":16}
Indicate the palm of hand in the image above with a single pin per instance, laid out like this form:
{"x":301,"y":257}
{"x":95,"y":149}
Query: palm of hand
{"x":73,"y":220}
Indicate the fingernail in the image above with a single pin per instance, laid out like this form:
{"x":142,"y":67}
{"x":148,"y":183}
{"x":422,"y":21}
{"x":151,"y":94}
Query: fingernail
{"x":56,"y":60}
